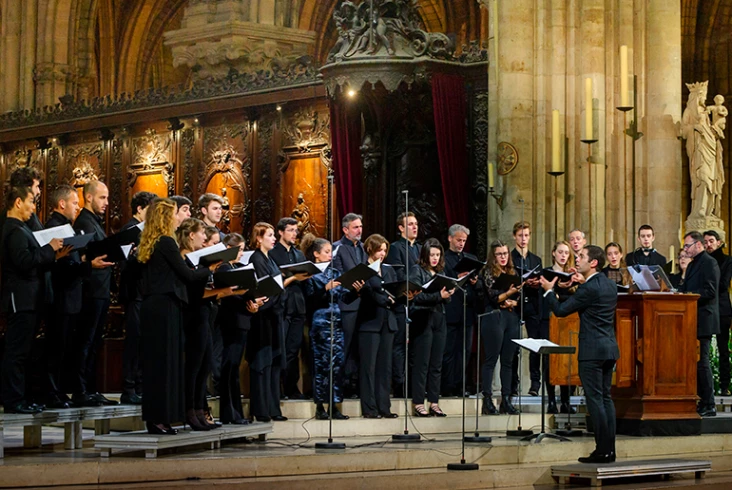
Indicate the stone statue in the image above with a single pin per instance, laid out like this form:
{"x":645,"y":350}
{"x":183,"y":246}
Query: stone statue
{"x":302,"y":214}
{"x":704,"y":149}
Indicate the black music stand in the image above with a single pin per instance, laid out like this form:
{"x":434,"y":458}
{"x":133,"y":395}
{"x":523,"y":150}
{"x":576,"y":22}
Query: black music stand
{"x":544,"y":347}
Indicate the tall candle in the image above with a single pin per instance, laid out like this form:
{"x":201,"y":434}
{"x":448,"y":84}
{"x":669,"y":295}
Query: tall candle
{"x":588,"y":109}
{"x":491,"y":178}
{"x":556,"y":144}
{"x":624,"y":101}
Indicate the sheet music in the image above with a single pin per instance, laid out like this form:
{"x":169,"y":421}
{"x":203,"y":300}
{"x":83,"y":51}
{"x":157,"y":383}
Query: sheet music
{"x":375,"y":266}
{"x":246,"y":257}
{"x":195,"y":257}
{"x":528,"y":274}
{"x":644,"y":278}
{"x":335,"y":252}
{"x":278,"y":280}
{"x":126,"y":249}
{"x":44,"y":237}
{"x":248,"y":267}
{"x":322,"y":266}
{"x":535,"y":344}
{"x":141,"y":226}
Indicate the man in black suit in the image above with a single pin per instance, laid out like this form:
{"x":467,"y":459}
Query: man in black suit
{"x":131,"y":298}
{"x":348,"y":253}
{"x":645,"y":254}
{"x":403,"y":254}
{"x":284,"y":253}
{"x":702,"y":278}
{"x":452,"y":360}
{"x":22,"y":259}
{"x":183,"y":211}
{"x":26,"y":177}
{"x":66,"y":278}
{"x":525,"y":261}
{"x":95,"y":302}
{"x":211,"y":208}
{"x":596,"y":300}
{"x":713,"y":245}
{"x":577,"y":241}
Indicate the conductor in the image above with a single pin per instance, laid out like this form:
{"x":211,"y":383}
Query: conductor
{"x":596,"y":300}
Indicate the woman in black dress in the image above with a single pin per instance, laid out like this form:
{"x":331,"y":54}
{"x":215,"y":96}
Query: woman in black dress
{"x":235,"y":315}
{"x":164,"y":297}
{"x":428,"y":331}
{"x":376,"y":328}
{"x":499,"y":329}
{"x":616,"y":268}
{"x":266,"y":338}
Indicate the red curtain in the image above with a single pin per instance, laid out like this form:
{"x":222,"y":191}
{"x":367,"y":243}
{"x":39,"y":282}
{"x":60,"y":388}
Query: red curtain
{"x":448,"y":96}
{"x":345,"y":127}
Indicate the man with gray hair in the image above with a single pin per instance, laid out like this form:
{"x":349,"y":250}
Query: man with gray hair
{"x":452,"y":360}
{"x":348,"y":252}
{"x":577,"y":241}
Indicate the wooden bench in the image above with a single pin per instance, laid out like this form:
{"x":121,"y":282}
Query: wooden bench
{"x":151,"y":444}
{"x":71,"y":418}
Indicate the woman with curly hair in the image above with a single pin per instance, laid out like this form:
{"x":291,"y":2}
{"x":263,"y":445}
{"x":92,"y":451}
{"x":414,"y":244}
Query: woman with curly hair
{"x":164,"y":297}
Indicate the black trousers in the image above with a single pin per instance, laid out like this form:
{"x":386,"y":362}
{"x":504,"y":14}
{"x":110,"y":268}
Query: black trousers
{"x":59,"y":332}
{"x":398,"y":355}
{"x":265,"y":390}
{"x":497,"y":332}
{"x":723,"y":346}
{"x":18,"y":341}
{"x":375,"y":374}
{"x":131,"y":367}
{"x":596,"y":379}
{"x":427,"y":334}
{"x":294,"y":333}
{"x":197,"y":364}
{"x":350,"y":348}
{"x":452,"y":361}
{"x":235,"y":341}
{"x":217,"y":349}
{"x":88,"y":338}
{"x":534,"y":331}
{"x":704,"y":379}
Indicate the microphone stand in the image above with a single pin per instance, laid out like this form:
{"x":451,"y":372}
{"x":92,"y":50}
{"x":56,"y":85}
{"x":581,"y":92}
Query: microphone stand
{"x":477,"y":437}
{"x":330,"y":444}
{"x":406,"y":436}
{"x":462,"y":465}
{"x":519,"y":431}
{"x":568,"y":431}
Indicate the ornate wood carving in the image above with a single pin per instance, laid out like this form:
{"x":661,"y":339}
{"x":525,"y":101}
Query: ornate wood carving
{"x":264,"y":205}
{"x":84,"y":162}
{"x":188,"y":142}
{"x":151,"y":155}
{"x":116,"y":212}
{"x":478,"y":171}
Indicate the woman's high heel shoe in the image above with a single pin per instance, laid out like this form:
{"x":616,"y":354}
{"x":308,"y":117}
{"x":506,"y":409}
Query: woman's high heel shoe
{"x":155,"y":429}
{"x":420,"y":411}
{"x":194,"y":422}
{"x":488,"y":407}
{"x":436,"y":411}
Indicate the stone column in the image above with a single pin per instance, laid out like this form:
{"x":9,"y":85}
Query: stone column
{"x":662,"y":110}
{"x":11,"y":32}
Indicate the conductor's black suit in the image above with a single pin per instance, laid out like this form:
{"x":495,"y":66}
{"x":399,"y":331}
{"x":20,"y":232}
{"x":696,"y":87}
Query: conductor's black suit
{"x":596,"y":301}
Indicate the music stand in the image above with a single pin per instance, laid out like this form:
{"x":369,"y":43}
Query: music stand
{"x":544,"y":347}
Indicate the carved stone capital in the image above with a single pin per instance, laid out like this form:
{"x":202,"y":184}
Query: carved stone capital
{"x":53,"y":72}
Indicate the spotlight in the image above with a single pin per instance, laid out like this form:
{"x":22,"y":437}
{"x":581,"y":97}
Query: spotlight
{"x":279,"y":108}
{"x":351,"y":93}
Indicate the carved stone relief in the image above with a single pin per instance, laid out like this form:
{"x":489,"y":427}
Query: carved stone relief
{"x":84,"y":163}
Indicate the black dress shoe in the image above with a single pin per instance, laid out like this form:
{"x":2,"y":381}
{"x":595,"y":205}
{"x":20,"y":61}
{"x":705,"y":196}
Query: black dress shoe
{"x":263,"y":418}
{"x":85,"y":401}
{"x":57,"y":403}
{"x":488,"y":407}
{"x":296,"y":396}
{"x":22,"y":407}
{"x":169,"y":430}
{"x":567,"y":408}
{"x":507,"y":407}
{"x":708,"y":412}
{"x":389,"y":415}
{"x":279,"y":418}
{"x":130,"y":399}
{"x":598,"y":458}
{"x":320,"y":412}
{"x":103,"y":399}
{"x":552,"y":407}
{"x":371,"y":416}
{"x":534,"y":390}
{"x":337,"y":415}
{"x":154,"y":429}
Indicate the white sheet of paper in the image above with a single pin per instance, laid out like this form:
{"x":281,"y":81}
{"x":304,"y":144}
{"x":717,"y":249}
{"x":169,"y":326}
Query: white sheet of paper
{"x":278,"y":280}
{"x":375,"y":266}
{"x":535,"y":344}
{"x":246,"y":257}
{"x":126,"y":249}
{"x":322,"y":266}
{"x":195,"y":257}
{"x":43,"y":237}
{"x":141,"y":226}
{"x":335,"y":252}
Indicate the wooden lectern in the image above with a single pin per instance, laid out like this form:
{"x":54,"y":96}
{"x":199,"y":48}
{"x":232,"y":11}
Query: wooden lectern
{"x":655,"y":379}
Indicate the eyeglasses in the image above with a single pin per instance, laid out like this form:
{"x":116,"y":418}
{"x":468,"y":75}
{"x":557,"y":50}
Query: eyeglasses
{"x":502,"y":254}
{"x":689,"y":245}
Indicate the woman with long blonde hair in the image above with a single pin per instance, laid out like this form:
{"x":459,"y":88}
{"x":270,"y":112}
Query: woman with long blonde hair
{"x":164,"y":296}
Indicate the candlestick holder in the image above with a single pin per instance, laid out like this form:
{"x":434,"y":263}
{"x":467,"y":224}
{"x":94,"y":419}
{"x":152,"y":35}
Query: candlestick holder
{"x":632,"y":131}
{"x":498,"y":198}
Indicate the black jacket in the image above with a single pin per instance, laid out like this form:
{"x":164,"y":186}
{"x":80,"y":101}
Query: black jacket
{"x":346,"y":259}
{"x":398,"y":256}
{"x":233,"y":314}
{"x":596,"y":301}
{"x":294,"y":298}
{"x":67,"y":275}
{"x":637,"y":257}
{"x":23,"y":262}
{"x":702,"y":278}
{"x":425,"y":302}
{"x":97,"y":284}
{"x":532,"y":306}
{"x":454,"y":309}
{"x":167,"y":273}
{"x":376,"y":306}
{"x":129,"y":278}
{"x":725,"y":276}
